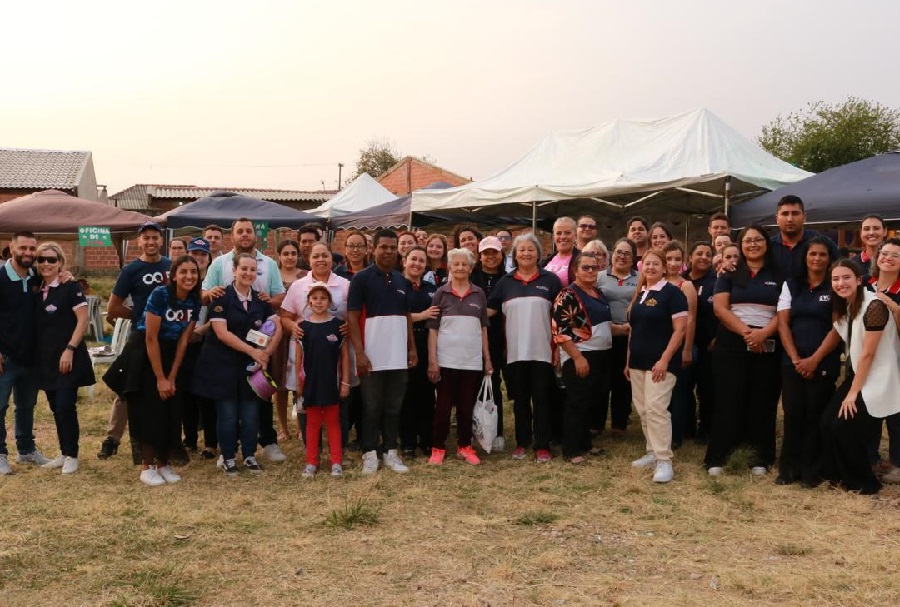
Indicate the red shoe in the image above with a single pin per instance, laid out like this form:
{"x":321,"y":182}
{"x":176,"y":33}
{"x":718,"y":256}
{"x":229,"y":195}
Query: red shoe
{"x":437,"y":456}
{"x":542,"y":456}
{"x":468,"y":454}
{"x":519,"y":453}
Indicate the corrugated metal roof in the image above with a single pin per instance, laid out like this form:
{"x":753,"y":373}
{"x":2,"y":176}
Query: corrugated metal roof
{"x":138,"y":196}
{"x":41,"y":169}
{"x":180,"y":192}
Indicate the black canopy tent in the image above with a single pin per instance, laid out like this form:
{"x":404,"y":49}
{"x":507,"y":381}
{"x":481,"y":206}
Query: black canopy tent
{"x":222,"y":208}
{"x":840,"y":195}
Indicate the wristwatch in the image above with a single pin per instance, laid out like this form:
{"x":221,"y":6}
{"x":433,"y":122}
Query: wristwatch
{"x":70,"y":347}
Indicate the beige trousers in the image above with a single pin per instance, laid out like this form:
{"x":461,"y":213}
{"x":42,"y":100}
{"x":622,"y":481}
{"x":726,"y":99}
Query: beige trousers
{"x":652,"y":403}
{"x":118,"y":420}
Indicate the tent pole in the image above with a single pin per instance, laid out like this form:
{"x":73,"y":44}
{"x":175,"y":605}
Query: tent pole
{"x":727,"y":192}
{"x":533,"y":217}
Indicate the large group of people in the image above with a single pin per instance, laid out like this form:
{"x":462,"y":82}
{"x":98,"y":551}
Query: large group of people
{"x":379,"y":345}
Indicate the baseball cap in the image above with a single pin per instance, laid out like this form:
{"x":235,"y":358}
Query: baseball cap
{"x":489,"y":242}
{"x":198,"y":244}
{"x":318,"y":284}
{"x":149,"y":225}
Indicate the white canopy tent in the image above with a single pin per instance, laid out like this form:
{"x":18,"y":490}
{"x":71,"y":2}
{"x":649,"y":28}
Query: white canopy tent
{"x":686,"y":164}
{"x":363,"y":193}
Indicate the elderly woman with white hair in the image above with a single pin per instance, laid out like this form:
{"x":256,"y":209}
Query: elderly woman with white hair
{"x":525,"y":297}
{"x":458,"y":355}
{"x":600,"y":251}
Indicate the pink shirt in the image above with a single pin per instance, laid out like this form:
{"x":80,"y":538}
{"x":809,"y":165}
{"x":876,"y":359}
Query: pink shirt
{"x":559,"y":265}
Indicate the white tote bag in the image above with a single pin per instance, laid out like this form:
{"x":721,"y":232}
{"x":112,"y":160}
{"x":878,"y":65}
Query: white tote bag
{"x":484,"y":415}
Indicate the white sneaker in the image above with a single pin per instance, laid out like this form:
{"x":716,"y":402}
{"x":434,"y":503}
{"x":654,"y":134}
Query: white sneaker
{"x":56,"y":462}
{"x":663,"y":472}
{"x":370,"y":462}
{"x":4,"y":465}
{"x":35,"y":457}
{"x":169,"y":475}
{"x":393,"y":461}
{"x":498,"y":445}
{"x":220,"y":463}
{"x":646,"y":461}
{"x":892,"y":477}
{"x":70,"y":466}
{"x":337,"y":470}
{"x":309,"y":471}
{"x":151,"y":477}
{"x":759,"y":471}
{"x":715,"y":471}
{"x":273,"y":453}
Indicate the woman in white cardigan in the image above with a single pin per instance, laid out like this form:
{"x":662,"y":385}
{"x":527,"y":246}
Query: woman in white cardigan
{"x":869,"y":392}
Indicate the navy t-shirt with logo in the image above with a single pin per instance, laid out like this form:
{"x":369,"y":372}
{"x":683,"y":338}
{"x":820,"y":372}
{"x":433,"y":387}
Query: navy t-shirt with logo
{"x":651,"y":327}
{"x":138,"y":279}
{"x":322,"y":343}
{"x":810,"y":322}
{"x":175,"y":314}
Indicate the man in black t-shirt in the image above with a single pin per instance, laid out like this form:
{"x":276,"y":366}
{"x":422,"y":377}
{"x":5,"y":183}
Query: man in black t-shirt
{"x":136,"y":280}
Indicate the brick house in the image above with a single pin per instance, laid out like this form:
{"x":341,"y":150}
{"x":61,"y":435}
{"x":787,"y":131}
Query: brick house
{"x":412,"y":173}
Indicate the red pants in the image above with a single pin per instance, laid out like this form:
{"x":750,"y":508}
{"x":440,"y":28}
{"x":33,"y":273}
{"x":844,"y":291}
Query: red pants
{"x":331,"y":416}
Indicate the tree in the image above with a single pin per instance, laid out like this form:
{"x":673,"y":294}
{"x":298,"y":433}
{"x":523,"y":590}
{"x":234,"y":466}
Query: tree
{"x":377,"y":157}
{"x":826,"y":135}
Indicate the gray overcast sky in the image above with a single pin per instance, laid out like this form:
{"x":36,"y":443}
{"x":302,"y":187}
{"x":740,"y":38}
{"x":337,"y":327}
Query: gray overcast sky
{"x":241,"y":94}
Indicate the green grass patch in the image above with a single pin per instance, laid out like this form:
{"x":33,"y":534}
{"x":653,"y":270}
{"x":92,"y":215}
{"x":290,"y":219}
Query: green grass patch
{"x":161,"y":587}
{"x":537,"y":518}
{"x":352,"y":514}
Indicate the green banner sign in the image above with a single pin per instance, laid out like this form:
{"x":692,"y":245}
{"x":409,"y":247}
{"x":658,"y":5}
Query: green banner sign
{"x":262,"y":234}
{"x":94,"y":237}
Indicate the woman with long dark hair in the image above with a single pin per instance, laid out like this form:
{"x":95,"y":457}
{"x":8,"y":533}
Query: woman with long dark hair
{"x":870,"y":389}
{"x":436,"y":254}
{"x":288,"y":260}
{"x":746,"y":357}
{"x":810,"y":364}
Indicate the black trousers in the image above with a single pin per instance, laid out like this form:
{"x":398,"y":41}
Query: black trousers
{"x":582,"y":400}
{"x":267,"y":434}
{"x":351,"y":415}
{"x":702,"y":371}
{"x":747,"y":388}
{"x":417,"y":414}
{"x":844,"y":444}
{"x":803,"y":402}
{"x":382,"y":393}
{"x":64,"y":405}
{"x":615,"y":394}
{"x":532,"y":383}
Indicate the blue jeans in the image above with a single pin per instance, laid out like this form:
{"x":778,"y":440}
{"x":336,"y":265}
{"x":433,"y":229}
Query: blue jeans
{"x":20,"y":381}
{"x":229,"y":414}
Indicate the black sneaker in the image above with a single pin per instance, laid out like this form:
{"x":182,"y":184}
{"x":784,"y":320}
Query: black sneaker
{"x":229,"y":467}
{"x":109,"y":448}
{"x":251,"y":464}
{"x":208,"y":454}
{"x":409,"y":453}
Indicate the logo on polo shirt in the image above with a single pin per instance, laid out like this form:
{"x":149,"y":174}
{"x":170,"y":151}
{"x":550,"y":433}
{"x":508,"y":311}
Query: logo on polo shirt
{"x":475,"y":305}
{"x":179,"y":315}
{"x":154,"y":278}
{"x":332,"y":337}
{"x":51,"y":308}
{"x":650,"y":302}
{"x":770,"y":283}
{"x":401,"y":292}
{"x":541,"y":288}
{"x":824,"y":297}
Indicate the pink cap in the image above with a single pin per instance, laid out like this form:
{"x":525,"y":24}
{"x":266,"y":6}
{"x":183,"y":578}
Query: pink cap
{"x":490,"y":242}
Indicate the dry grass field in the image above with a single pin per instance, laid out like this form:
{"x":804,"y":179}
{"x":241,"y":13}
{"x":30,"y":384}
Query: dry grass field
{"x":505,"y":534}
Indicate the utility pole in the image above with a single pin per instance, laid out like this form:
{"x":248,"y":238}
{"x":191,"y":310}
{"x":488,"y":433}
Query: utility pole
{"x":340,"y":166}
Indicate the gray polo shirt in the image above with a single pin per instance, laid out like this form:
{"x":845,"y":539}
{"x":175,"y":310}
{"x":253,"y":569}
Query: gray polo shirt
{"x":617,"y":292}
{"x":459,"y":327}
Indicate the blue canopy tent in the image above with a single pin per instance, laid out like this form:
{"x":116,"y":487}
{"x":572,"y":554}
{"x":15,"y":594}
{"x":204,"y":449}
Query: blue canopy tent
{"x":840,"y":195}
{"x":222,"y":208}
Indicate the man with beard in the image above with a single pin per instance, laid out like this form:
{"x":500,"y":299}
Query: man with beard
{"x":18,"y":377}
{"x":136,"y":280}
{"x":638,"y":232}
{"x":268,"y":283}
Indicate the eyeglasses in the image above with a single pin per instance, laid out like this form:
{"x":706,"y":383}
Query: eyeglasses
{"x":355,"y":247}
{"x":882,"y":253}
{"x":622,"y":253}
{"x":757,"y":240}
{"x":589,"y":268}
{"x":587,"y":226}
{"x":42,"y":259}
{"x":504,"y":237}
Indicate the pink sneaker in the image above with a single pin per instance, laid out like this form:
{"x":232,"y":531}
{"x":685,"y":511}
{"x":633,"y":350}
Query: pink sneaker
{"x":437,"y":456}
{"x":468,"y":454}
{"x":542,"y":456}
{"x":518,"y":453}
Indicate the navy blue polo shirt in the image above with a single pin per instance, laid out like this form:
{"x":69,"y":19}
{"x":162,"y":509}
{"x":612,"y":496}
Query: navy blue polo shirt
{"x":754,"y":303}
{"x":526,"y":305}
{"x":651,"y":327}
{"x":787,"y":258}
{"x":810,"y":322}
{"x":707,"y":323}
{"x":175,"y":314}
{"x":420,"y":296}
{"x":17,"y":305}
{"x":384,"y":299}
{"x":138,"y":279}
